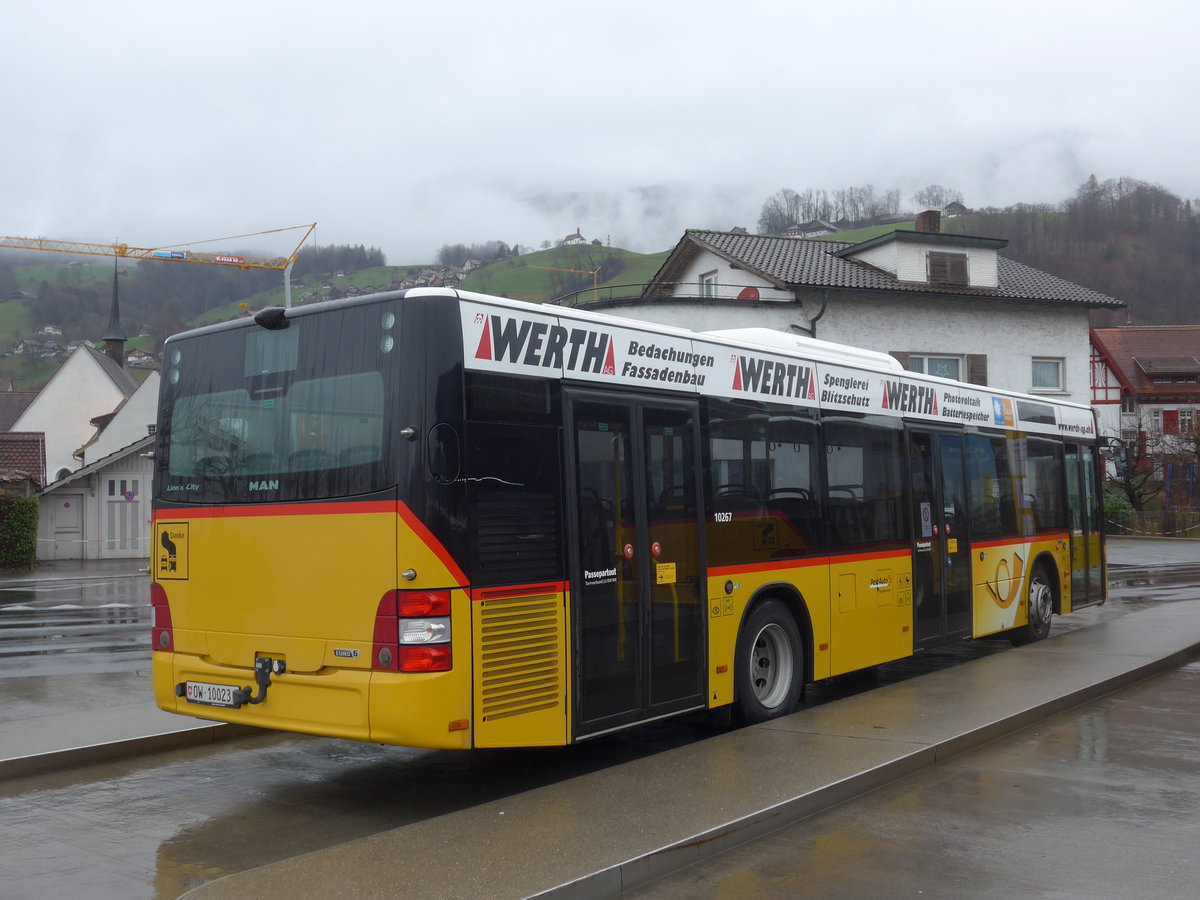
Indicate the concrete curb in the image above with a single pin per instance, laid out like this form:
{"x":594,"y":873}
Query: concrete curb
{"x":73,"y":757}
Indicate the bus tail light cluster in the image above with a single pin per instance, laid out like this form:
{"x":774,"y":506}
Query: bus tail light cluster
{"x":162,"y":636}
{"x":412,"y":632}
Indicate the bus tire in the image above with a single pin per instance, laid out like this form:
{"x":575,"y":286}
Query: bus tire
{"x":1041,"y":608}
{"x":769,"y":664}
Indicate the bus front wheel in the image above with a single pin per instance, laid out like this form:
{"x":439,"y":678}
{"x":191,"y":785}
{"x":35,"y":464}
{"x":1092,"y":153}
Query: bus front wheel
{"x":769,"y":664}
{"x":1041,"y":609}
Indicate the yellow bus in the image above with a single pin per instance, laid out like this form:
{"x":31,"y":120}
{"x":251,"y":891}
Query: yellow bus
{"x":441,"y":519}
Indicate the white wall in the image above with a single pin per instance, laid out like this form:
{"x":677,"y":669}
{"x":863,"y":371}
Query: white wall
{"x":731,"y":281}
{"x":111,"y":526}
{"x":130,"y":423}
{"x":906,"y":260}
{"x":78,"y":392}
{"x":1009,"y":334}
{"x":710,"y":317}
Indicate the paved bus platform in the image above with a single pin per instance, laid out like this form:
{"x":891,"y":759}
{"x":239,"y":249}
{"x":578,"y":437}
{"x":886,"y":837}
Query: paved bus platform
{"x":614,"y":829}
{"x":610,"y":830}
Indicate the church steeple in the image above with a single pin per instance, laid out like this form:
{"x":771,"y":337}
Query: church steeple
{"x":114,"y":337}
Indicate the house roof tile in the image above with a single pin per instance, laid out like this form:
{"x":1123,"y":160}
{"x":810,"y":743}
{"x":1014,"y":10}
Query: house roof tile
{"x":792,"y":262}
{"x":24,"y":451}
{"x":12,"y":404}
{"x":121,"y":377}
{"x":1141,"y":352}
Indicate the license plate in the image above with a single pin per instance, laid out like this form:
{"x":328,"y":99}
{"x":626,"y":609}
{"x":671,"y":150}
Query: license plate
{"x":212,"y":694}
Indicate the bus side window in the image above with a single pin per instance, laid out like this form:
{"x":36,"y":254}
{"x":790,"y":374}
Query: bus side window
{"x":865,"y":490}
{"x":763,"y":482}
{"x":993,"y":504}
{"x":1044,"y":484}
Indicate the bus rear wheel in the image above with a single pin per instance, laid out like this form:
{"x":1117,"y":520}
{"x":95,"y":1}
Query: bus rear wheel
{"x":1041,"y":609}
{"x":769,"y":664}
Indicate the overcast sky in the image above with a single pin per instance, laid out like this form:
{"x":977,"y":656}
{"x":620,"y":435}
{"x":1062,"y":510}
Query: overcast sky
{"x":407,"y":127}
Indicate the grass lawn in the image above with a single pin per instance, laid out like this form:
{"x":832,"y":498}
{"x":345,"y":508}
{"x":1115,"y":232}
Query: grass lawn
{"x":15,"y":319}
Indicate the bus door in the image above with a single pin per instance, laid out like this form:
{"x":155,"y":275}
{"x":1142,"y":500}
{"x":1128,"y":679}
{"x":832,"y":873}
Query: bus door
{"x":941,"y":544}
{"x":637,"y":586}
{"x":1083,"y":498}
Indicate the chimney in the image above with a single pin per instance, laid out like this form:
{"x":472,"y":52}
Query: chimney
{"x":929,"y":221}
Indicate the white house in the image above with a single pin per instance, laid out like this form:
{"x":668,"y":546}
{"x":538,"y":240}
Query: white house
{"x":87,"y":385}
{"x":100,"y":511}
{"x":133,"y":420}
{"x":945,"y":304}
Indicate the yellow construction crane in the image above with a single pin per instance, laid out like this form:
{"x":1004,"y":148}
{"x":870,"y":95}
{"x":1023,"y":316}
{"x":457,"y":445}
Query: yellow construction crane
{"x":176,"y":253}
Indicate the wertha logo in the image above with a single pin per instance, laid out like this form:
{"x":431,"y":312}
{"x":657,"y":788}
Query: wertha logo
{"x":776,"y":379}
{"x":909,"y":398}
{"x":527,"y":343}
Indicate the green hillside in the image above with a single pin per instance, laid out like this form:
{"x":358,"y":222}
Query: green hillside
{"x":31,"y":278}
{"x":547,"y":274}
{"x":858,"y":235}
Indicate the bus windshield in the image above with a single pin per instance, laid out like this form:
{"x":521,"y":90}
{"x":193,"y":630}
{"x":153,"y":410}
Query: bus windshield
{"x":253,"y":415}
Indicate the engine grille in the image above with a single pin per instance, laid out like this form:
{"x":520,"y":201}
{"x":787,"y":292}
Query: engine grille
{"x":520,"y":668}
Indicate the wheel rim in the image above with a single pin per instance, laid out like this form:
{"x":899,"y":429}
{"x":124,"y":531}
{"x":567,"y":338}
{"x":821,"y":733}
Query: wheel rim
{"x":771,"y":666}
{"x":1041,"y":602}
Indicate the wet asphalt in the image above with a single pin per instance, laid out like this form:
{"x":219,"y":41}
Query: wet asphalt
{"x":1089,"y":803}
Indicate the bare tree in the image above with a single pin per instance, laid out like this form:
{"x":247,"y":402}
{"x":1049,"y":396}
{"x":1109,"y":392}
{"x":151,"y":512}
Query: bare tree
{"x":936,"y":196}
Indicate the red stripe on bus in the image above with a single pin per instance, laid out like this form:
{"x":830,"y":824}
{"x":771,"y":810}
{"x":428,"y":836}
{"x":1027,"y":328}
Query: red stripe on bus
{"x":352,"y":507}
{"x":521,"y":590}
{"x":780,"y":564}
{"x":773,"y":566}
{"x":1009,"y":541}
{"x":426,"y":536}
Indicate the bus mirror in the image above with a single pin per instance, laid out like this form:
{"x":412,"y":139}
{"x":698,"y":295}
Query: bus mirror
{"x":443,"y":454}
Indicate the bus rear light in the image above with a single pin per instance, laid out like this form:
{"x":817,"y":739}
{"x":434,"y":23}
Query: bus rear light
{"x":425,"y":658}
{"x":425,"y":631}
{"x":410,"y":604}
{"x":412,"y":632}
{"x":162,"y":635}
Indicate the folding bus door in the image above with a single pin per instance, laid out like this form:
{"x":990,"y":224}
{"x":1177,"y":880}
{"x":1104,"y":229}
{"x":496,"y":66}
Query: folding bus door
{"x":941,"y":544}
{"x":1083,"y":498}
{"x":637,"y":585}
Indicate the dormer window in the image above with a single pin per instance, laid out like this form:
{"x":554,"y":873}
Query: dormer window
{"x":947,"y":268}
{"x":942,"y":261}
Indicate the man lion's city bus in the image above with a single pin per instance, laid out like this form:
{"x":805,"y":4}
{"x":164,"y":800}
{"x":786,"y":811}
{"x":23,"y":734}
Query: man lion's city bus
{"x":441,"y":519}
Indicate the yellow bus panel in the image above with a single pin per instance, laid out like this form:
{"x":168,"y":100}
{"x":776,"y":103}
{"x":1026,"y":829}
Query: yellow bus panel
{"x":519,"y":637}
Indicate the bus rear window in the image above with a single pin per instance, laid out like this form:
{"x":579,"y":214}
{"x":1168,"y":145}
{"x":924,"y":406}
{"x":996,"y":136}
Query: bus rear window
{"x":318,"y":424}
{"x":298,"y":414}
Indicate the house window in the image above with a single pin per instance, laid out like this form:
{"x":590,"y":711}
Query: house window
{"x":708,"y":284}
{"x":1047,"y":374}
{"x":1128,"y":405}
{"x":947,"y":268}
{"x":1156,"y":421}
{"x":941,"y":366}
{"x":1187,"y":421}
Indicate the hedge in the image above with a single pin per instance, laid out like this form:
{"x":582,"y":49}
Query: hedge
{"x":18,"y":532}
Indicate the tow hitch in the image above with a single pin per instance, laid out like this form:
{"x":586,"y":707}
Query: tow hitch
{"x":229,"y":696}
{"x":264,"y":668}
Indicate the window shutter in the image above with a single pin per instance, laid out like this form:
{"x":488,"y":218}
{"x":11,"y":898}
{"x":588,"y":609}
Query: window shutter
{"x":947,"y":268}
{"x":977,"y":368}
{"x":1170,"y":421}
{"x":901,"y":357}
